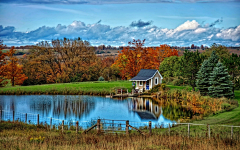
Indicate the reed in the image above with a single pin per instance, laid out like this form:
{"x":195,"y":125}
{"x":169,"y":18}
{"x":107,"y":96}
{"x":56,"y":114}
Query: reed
{"x":20,"y":136}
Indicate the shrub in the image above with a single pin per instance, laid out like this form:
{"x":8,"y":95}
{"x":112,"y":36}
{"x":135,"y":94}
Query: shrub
{"x":101,"y":78}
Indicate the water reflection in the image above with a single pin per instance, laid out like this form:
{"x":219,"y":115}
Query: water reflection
{"x":146,"y":109}
{"x":85,"y":108}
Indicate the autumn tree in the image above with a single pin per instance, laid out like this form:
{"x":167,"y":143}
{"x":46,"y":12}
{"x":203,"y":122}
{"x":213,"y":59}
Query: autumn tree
{"x":3,"y":82}
{"x":62,"y":60}
{"x":13,"y":70}
{"x":136,"y":57}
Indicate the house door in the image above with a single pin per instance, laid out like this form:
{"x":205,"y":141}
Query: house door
{"x":147,"y":85}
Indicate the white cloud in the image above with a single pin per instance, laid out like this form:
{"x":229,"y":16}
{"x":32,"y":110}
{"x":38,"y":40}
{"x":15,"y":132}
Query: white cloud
{"x":232,"y":34}
{"x":190,"y":32}
{"x":188,"y":25}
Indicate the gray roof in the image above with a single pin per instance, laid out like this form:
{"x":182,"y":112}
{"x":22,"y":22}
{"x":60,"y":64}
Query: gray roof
{"x":144,"y":75}
{"x":146,"y":115}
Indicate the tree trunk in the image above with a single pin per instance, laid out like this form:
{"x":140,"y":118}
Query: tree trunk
{"x":12,"y":81}
{"x":193,"y":88}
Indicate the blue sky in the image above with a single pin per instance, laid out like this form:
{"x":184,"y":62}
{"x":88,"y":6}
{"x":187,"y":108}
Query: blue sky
{"x":109,"y":22}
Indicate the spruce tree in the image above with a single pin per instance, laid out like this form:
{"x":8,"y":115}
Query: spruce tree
{"x":221,"y":85}
{"x":203,"y":74}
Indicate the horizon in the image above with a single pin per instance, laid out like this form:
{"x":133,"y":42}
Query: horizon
{"x":103,"y":22}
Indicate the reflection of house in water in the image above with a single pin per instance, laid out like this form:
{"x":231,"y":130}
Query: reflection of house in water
{"x":145,"y":108}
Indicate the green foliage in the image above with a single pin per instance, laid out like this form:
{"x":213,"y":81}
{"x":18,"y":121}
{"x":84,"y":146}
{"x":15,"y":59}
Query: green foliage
{"x":190,"y":64}
{"x":101,"y":78}
{"x":233,"y":65}
{"x":169,"y":67}
{"x":220,"y":50}
{"x":204,"y":73}
{"x":221,"y":86}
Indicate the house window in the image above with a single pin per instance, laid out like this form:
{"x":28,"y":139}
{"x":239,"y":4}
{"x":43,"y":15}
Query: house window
{"x":156,"y":109}
{"x":156,"y":80}
{"x":140,"y":83}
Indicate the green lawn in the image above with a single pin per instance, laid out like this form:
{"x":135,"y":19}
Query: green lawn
{"x":101,"y":88}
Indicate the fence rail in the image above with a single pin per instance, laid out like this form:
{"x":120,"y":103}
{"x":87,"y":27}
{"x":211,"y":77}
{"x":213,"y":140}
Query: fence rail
{"x":123,"y":126}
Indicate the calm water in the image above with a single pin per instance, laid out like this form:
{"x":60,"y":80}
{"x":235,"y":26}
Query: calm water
{"x":85,"y":108}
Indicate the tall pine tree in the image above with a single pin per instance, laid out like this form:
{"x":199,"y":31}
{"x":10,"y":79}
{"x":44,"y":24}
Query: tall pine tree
{"x":221,"y":85}
{"x":204,"y":73}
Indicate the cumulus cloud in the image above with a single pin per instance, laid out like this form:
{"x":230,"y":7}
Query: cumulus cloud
{"x":99,"y":2}
{"x":189,"y":32}
{"x":140,"y":23}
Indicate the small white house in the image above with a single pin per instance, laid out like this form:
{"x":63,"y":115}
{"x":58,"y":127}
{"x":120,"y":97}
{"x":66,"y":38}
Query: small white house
{"x":147,"y":78}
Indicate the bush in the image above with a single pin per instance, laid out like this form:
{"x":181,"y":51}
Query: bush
{"x":101,"y":78}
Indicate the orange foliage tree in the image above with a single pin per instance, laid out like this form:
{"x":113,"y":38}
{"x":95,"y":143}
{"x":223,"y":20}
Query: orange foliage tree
{"x":132,"y":59}
{"x":13,"y":70}
{"x":3,"y":82}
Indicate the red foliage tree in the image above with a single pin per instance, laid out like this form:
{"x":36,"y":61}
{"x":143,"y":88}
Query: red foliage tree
{"x":132,"y":59}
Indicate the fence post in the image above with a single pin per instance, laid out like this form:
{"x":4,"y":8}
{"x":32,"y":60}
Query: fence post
{"x":77,"y":127}
{"x":209,"y":131}
{"x":169,"y":128}
{"x":127,"y":127}
{"x":188,"y":130}
{"x":38,"y":119}
{"x":150,"y":128}
{"x":121,"y":91}
{"x":127,"y":91}
{"x":98,"y":126}
{"x":13,"y":115}
{"x":50,"y":123}
{"x":231,"y":132}
{"x":26,"y":118}
{"x":62,"y":125}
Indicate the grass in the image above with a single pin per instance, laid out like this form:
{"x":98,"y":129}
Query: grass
{"x":22,"y":136}
{"x":75,"y":88}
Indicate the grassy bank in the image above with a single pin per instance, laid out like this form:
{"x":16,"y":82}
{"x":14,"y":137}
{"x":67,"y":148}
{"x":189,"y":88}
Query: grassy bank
{"x":76,"y":88}
{"x":21,"y":136}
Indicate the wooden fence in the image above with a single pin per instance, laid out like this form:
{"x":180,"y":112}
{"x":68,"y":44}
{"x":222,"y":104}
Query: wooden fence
{"x":123,"y":126}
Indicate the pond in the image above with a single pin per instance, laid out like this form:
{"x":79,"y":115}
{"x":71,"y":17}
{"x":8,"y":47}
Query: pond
{"x":84,"y":108}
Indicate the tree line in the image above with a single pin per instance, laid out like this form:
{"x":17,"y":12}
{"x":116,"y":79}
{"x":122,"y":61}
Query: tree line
{"x":214,"y":72}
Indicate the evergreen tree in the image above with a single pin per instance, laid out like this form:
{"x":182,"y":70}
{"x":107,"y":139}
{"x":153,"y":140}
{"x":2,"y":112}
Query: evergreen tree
{"x":221,"y":85}
{"x":204,"y":73}
{"x":190,"y":65}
